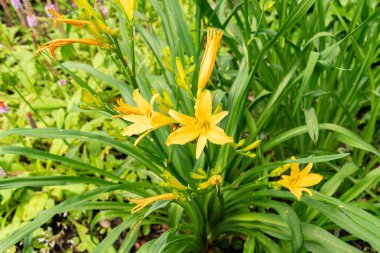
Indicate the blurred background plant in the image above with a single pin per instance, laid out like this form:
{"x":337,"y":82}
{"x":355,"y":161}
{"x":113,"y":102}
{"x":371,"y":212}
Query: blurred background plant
{"x":300,"y":76}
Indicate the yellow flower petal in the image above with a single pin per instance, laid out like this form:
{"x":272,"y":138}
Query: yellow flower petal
{"x":310,"y":180}
{"x":54,"y":44}
{"x":182,"y":136}
{"x":218,"y":136}
{"x":308,"y":191}
{"x":160,"y":120}
{"x":136,"y":129}
{"x":296,"y":192}
{"x":141,"y":203}
{"x":73,"y":22}
{"x":125,"y":108}
{"x":141,"y":102}
{"x":307,"y":169}
{"x":202,"y":140}
{"x":182,"y":118}
{"x":203,"y":106}
{"x":216,"y":118}
{"x":139,"y":119}
{"x":295,"y":167}
{"x":285,"y":181}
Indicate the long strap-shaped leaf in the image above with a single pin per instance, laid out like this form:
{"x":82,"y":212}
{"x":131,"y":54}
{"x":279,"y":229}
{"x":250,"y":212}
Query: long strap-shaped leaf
{"x":350,"y":218}
{"x":29,"y":152}
{"x":18,"y":182}
{"x":55,"y":133}
{"x":316,"y":238}
{"x":344,"y":135}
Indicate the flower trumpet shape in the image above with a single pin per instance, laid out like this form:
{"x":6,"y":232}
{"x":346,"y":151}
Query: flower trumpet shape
{"x":144,"y":117}
{"x":299,"y":180}
{"x":95,"y":26}
{"x":60,"y":18}
{"x":141,"y":203}
{"x":213,"y":40}
{"x":201,"y":126}
{"x":54,"y":44}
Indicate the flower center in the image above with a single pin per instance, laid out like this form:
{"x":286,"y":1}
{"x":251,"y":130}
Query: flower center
{"x":203,"y":126}
{"x":294,"y":181}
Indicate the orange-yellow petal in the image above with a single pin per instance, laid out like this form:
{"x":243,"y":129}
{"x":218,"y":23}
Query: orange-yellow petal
{"x":216,"y":118}
{"x":136,"y":129}
{"x":203,"y":106}
{"x":182,"y":136}
{"x":296,"y":192}
{"x":218,"y":136}
{"x":125,"y":108}
{"x":141,"y":102}
{"x":307,"y":169}
{"x":160,"y":120}
{"x":202,"y":140}
{"x":295,"y":169}
{"x":309,"y":180}
{"x":182,"y":118}
{"x":140,"y":119}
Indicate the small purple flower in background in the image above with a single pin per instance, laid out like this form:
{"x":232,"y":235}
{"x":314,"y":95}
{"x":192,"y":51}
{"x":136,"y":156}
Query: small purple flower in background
{"x":250,"y":97}
{"x":17,"y":4}
{"x":2,"y":172}
{"x":31,"y":19}
{"x":3,"y":109}
{"x":104,"y":11}
{"x":102,"y":8}
{"x":47,"y":8}
{"x":62,"y":82}
{"x":73,"y":4}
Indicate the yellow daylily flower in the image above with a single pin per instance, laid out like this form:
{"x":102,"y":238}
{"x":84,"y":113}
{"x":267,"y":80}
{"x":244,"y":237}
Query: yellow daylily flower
{"x":60,"y":18}
{"x":213,"y":40}
{"x":201,"y":126}
{"x":54,"y":44}
{"x":83,"y":24}
{"x":129,"y":7}
{"x":141,"y":203}
{"x":299,"y":180}
{"x":143,"y":117}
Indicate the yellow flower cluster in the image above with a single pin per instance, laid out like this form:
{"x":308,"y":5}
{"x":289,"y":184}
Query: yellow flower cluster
{"x":201,"y":127}
{"x":92,"y":23}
